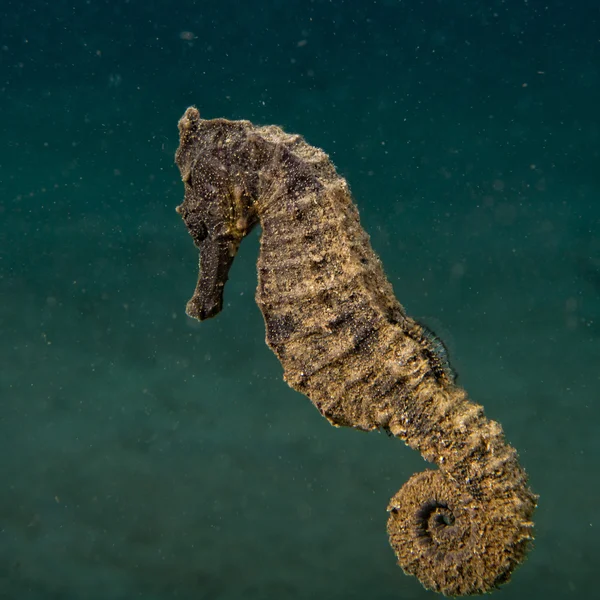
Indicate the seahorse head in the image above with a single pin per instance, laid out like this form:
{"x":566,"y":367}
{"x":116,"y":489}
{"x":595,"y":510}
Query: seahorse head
{"x":216,"y":164}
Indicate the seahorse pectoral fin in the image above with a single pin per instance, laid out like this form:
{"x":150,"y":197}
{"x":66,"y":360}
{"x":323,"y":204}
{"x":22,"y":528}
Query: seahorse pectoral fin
{"x":216,"y":256}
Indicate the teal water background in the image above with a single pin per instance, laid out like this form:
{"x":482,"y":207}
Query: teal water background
{"x":144,"y":455}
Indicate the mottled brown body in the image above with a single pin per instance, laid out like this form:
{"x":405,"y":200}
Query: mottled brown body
{"x":345,"y":342}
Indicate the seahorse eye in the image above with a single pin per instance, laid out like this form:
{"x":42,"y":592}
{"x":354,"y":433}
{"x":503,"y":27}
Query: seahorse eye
{"x":201,"y":231}
{"x":198,"y":230}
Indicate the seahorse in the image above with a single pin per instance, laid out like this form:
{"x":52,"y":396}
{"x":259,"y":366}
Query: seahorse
{"x":345,"y":342}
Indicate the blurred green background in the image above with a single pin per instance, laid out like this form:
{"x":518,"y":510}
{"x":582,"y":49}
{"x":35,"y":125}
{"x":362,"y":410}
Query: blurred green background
{"x":143,"y":455}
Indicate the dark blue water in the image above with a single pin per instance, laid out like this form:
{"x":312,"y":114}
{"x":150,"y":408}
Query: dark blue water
{"x":143,"y":455}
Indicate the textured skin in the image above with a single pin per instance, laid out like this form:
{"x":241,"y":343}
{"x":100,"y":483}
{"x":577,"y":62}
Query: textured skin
{"x":344,"y":341}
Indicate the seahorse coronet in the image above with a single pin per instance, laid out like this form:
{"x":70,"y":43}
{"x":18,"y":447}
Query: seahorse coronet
{"x":344,"y":341}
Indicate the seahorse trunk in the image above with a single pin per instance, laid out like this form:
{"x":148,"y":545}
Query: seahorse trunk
{"x":345,"y":342}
